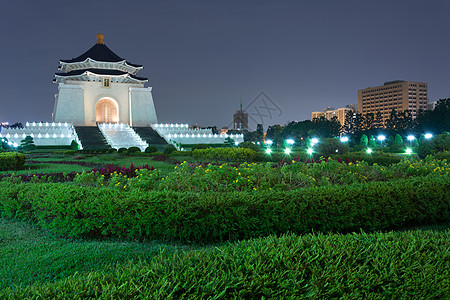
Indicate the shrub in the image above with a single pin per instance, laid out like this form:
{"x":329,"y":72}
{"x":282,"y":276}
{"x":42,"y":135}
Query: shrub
{"x":122,"y":150}
{"x":151,"y":149}
{"x":200,"y":146}
{"x":211,"y":217}
{"x":227,"y":154}
{"x":169,"y":149}
{"x":331,"y":146}
{"x":11,"y":161}
{"x":74,"y":145}
{"x":249,"y":145}
{"x":134,"y":150}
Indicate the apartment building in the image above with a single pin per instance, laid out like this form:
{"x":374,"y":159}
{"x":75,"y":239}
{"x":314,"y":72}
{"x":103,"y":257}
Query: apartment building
{"x":330,"y":112}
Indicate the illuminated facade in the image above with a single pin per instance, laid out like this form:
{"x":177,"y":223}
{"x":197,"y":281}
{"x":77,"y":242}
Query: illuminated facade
{"x":101,"y":87}
{"x":399,"y":95}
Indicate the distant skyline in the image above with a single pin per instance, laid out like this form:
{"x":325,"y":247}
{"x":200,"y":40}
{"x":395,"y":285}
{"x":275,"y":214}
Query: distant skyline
{"x":286,"y":58}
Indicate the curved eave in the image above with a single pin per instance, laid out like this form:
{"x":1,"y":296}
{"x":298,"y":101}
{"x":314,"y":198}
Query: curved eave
{"x":90,"y":63}
{"x":90,"y":76}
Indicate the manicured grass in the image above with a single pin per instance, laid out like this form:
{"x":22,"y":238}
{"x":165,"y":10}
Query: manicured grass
{"x":29,"y":255}
{"x":392,"y":265}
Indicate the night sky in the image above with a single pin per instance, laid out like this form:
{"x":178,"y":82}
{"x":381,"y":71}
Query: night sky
{"x":200,"y":56}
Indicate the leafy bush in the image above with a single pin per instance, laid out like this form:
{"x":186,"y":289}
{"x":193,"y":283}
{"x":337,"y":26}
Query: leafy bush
{"x":134,"y":150}
{"x":122,"y":150}
{"x":11,"y":161}
{"x":331,"y":146}
{"x":227,"y":154}
{"x":210,"y":217}
{"x":200,"y":146}
{"x":151,"y":149}
{"x":250,"y":145}
{"x":169,"y":149}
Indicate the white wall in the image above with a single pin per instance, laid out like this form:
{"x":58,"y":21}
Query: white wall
{"x":69,"y":105}
{"x":142,"y":108}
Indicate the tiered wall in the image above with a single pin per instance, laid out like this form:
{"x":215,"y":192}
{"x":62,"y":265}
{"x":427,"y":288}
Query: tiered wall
{"x":182,"y":134}
{"x":43,"y":134}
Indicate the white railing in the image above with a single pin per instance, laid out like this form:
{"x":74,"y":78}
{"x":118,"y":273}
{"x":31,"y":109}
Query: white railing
{"x":121,"y":136}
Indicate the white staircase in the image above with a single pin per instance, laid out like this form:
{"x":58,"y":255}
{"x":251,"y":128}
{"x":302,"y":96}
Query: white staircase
{"x":121,"y":136}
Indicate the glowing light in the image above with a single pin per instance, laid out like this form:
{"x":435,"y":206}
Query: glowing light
{"x":411,"y":137}
{"x":381,"y":137}
{"x":290,"y":141}
{"x":236,"y":143}
{"x":369,"y":150}
{"x":268,"y":150}
{"x":344,"y":139}
{"x":269,"y":142}
{"x":310,"y":151}
{"x":314,"y":141}
{"x":408,"y":150}
{"x":428,"y":135}
{"x":287,"y":150}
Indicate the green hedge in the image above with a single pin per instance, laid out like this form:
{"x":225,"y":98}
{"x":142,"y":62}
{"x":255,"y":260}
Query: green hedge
{"x":226,"y":154}
{"x":393,"y":265}
{"x":11,"y":161}
{"x":209,"y":217}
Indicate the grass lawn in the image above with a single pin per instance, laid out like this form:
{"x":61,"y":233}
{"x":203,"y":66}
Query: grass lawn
{"x":409,"y":263}
{"x":29,"y":255}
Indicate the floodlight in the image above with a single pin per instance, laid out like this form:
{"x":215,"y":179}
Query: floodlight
{"x":344,"y":139}
{"x":310,"y":151}
{"x":428,"y":135}
{"x":381,"y":137}
{"x":314,"y":141}
{"x":269,"y":142}
{"x":268,"y":150}
{"x":369,"y":150}
{"x":411,"y":137}
{"x":290,"y":141}
{"x":408,"y":151}
{"x":287,"y":150}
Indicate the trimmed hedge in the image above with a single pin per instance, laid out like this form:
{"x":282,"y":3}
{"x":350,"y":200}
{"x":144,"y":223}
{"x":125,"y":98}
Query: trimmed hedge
{"x":226,"y":154}
{"x":11,"y":161}
{"x":210,"y":217}
{"x":393,"y":265}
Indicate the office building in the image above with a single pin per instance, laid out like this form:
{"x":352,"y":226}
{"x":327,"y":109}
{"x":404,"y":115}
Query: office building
{"x":399,"y":95}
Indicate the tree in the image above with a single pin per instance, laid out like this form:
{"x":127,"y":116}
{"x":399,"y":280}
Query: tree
{"x":331,"y":146}
{"x":27,"y":144}
{"x":398,"y":141}
{"x":364,"y":140}
{"x":372,"y":141}
{"x":259,"y":135}
{"x":378,"y":123}
{"x":275,"y":133}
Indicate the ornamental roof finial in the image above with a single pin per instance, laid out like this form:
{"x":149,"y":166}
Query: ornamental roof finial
{"x":100,"y":38}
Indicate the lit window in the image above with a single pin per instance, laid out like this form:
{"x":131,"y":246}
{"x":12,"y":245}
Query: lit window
{"x":106,"y":82}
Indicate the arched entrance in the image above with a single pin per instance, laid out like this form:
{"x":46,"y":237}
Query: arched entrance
{"x":106,"y":111}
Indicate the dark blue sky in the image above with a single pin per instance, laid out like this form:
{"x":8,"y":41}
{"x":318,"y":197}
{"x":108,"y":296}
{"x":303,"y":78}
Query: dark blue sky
{"x":201,"y":55}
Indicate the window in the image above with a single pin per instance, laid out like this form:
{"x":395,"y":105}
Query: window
{"x":106,"y":82}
